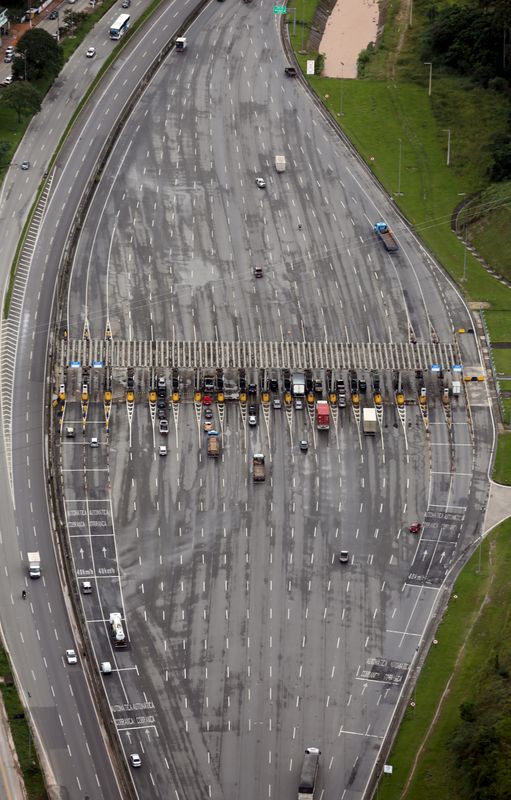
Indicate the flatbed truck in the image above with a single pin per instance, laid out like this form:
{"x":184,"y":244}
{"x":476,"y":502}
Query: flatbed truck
{"x":387,"y":237}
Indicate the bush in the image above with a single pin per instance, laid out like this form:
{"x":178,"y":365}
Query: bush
{"x":319,"y":64}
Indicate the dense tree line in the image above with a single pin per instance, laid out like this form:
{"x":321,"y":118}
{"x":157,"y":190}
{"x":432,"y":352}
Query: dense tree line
{"x":482,"y":741}
{"x":473,"y":39}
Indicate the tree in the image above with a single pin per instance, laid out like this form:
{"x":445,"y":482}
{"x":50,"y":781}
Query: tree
{"x":500,"y":146}
{"x":23,"y":98}
{"x":73,"y":18}
{"x":44,"y":57}
{"x":5,"y":149}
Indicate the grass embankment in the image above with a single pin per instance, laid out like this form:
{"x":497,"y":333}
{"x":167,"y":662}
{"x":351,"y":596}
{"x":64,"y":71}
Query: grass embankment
{"x":502,"y":468}
{"x":470,"y":641}
{"x":392,"y":106}
{"x":20,"y":730}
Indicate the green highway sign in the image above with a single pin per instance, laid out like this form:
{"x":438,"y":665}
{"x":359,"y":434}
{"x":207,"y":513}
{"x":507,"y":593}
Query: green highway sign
{"x":279,"y":9}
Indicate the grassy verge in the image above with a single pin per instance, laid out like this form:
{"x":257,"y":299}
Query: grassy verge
{"x":436,"y":774}
{"x":502,"y":468}
{"x":502,"y":360}
{"x":506,"y":403}
{"x":21,"y":734}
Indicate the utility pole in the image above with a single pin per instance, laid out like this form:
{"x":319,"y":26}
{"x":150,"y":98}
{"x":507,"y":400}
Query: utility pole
{"x":430,"y":65}
{"x":448,"y":132}
{"x":341,"y":112}
{"x":399,"y":192}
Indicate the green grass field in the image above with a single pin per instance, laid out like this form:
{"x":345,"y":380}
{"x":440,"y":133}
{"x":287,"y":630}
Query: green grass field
{"x":502,"y":360}
{"x":502,"y":468}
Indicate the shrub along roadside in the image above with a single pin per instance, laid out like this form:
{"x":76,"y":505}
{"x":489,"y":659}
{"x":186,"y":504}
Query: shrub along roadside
{"x":21,"y":734}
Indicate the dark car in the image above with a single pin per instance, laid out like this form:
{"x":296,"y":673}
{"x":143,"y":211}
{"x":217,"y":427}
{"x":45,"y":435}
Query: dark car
{"x":274,"y":384}
{"x":290,"y":72}
{"x":252,"y":388}
{"x":362,"y":385}
{"x":208,"y":413}
{"x":53,"y":15}
{"x":162,"y":413}
{"x":162,"y":402}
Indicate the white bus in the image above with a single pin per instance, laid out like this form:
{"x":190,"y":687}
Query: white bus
{"x":120,"y":26}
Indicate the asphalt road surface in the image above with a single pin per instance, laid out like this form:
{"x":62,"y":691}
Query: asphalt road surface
{"x":37,"y":631}
{"x":247,"y":639}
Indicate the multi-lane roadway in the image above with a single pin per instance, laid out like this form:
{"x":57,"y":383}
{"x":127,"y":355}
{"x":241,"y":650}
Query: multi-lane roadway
{"x":248,"y":640}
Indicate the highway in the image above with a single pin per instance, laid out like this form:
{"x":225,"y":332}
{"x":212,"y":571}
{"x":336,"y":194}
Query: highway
{"x":248,"y":641}
{"x":37,"y":631}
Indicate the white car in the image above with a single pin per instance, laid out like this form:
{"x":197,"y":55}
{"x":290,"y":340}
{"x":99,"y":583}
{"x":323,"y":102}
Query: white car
{"x":135,"y":760}
{"x":94,"y":442}
{"x":91,"y":52}
{"x":7,"y":81}
{"x":261,"y":183}
{"x":71,"y":657}
{"x":25,"y":165}
{"x":163,"y":449}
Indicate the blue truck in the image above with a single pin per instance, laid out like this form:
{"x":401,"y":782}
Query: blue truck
{"x":386,"y":236}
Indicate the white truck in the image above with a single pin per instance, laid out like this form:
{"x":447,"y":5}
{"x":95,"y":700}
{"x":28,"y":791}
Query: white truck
{"x":369,"y":421}
{"x":298,"y":384}
{"x":34,"y":564}
{"x":280,"y":163}
{"x":116,"y":629}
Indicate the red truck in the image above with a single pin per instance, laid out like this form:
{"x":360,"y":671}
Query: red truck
{"x":322,"y":415}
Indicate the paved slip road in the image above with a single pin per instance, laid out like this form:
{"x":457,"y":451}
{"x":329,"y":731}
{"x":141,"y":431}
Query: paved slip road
{"x":37,"y":631}
{"x":248,"y":641}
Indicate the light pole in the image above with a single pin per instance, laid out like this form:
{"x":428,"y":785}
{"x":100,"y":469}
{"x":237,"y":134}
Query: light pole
{"x":411,"y":13}
{"x":303,"y":24}
{"x":448,"y":132}
{"x":288,"y":10}
{"x":399,"y":192}
{"x":341,"y":112}
{"x":464,"y":278}
{"x":430,"y":65}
